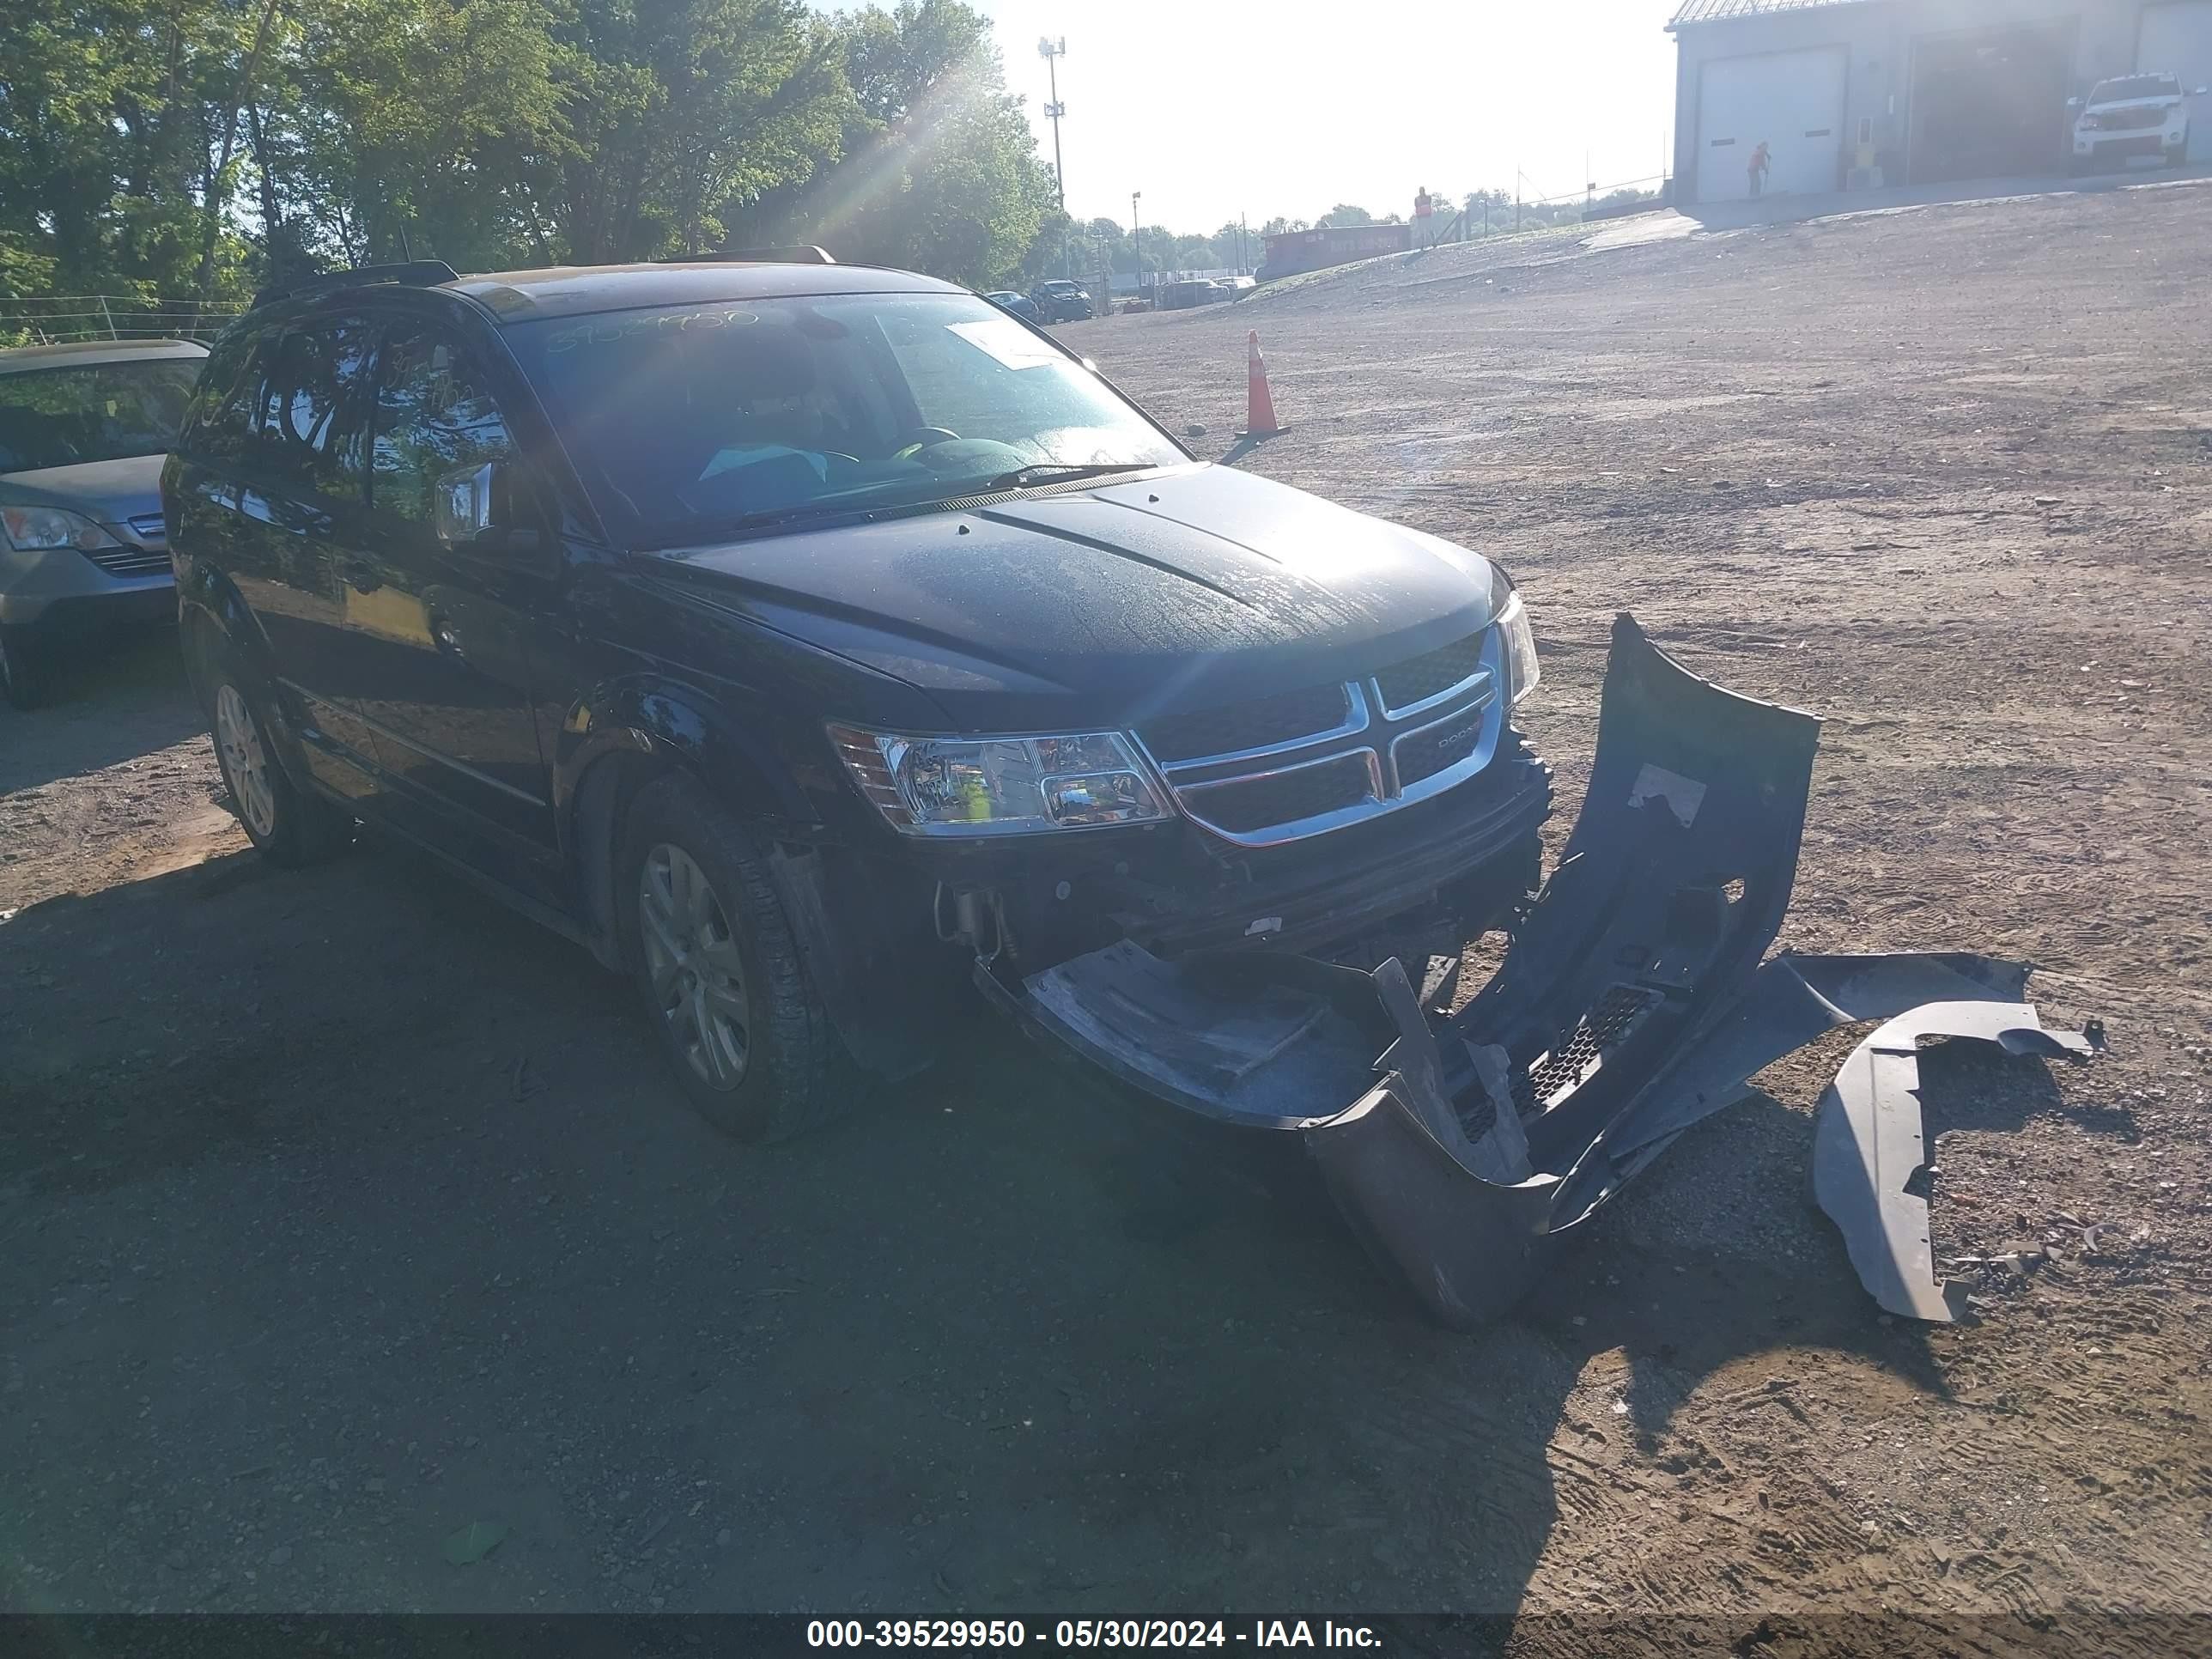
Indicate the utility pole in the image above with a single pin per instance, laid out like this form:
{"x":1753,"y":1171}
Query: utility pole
{"x":1137,"y":230}
{"x":1052,"y":51}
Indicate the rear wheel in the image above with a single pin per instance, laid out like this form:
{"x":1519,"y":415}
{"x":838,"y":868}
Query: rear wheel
{"x":717,"y":968}
{"x":22,"y":667}
{"x":287,"y":824}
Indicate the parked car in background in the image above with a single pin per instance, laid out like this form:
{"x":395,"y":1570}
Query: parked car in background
{"x":879,"y":644}
{"x":83,"y":429}
{"x":1059,"y":301}
{"x":2130,"y":116}
{"x":1018,"y":304}
{"x":1195,"y":291}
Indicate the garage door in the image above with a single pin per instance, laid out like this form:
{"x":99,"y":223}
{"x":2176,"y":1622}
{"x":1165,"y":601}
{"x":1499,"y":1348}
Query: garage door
{"x":1790,"y":101}
{"x":2177,"y":39}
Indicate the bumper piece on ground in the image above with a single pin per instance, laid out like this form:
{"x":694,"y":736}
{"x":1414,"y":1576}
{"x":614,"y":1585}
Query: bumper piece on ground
{"x":1867,"y":1145}
{"x":1630,"y":1004}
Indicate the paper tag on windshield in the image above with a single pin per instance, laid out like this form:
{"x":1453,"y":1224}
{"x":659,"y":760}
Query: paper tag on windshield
{"x":1007,"y":341}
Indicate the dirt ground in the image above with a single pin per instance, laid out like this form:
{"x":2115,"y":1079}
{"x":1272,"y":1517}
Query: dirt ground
{"x":342,"y":1209}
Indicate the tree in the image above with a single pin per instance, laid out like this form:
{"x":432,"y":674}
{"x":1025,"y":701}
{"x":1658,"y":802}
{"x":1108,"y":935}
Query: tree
{"x":939,"y":170}
{"x":680,"y":113}
{"x":1344,"y":214}
{"x":114,"y":148}
{"x":169,"y":145}
{"x":421,"y":127}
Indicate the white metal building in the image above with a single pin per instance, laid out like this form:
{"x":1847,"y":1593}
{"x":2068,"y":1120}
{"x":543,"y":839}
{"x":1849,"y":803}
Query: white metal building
{"x":1855,"y":93}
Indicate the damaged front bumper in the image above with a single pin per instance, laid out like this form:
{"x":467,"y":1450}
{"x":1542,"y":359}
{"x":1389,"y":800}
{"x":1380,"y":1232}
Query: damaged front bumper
{"x":1631,"y":1003}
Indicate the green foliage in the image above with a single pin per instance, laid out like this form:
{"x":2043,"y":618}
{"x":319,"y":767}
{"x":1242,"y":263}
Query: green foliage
{"x":114,"y":119}
{"x":176,"y":147}
{"x":183,"y":148}
{"x":940,"y":171}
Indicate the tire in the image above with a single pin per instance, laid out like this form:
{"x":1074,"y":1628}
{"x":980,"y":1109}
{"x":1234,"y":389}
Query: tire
{"x":22,"y":667}
{"x":717,"y":968}
{"x":2178,"y":155}
{"x":287,"y":825}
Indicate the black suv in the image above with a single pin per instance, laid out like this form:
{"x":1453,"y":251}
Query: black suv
{"x":1060,"y":302}
{"x":807,"y":640}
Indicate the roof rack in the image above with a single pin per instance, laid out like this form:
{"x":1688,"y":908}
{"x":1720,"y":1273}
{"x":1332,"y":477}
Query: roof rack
{"x":798,"y":254}
{"x":415,"y":273}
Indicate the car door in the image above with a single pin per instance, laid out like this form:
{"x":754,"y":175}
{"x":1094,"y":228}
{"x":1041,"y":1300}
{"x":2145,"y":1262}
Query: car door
{"x":458,"y":574}
{"x":298,"y":495}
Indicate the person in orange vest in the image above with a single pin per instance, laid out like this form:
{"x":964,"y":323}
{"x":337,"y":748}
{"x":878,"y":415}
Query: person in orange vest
{"x":1424,"y":206}
{"x":1757,"y":168}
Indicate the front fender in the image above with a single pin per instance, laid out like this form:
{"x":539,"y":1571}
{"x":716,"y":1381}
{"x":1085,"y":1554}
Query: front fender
{"x":679,"y":724}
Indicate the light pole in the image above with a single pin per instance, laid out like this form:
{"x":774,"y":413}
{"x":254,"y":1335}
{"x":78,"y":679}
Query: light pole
{"x":1052,"y":51}
{"x":1137,"y":230}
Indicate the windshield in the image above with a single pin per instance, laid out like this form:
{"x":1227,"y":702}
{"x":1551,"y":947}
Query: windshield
{"x":2136,"y":86}
{"x":699,"y":419}
{"x":99,"y":412}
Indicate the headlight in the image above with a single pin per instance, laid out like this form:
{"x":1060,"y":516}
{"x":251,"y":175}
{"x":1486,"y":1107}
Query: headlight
{"x":1515,"y":636}
{"x":37,"y":529}
{"x":999,"y":786}
{"x":2090,"y":123}
{"x":1519,"y":640}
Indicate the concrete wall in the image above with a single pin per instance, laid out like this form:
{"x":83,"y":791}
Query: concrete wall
{"x":1877,"y":36}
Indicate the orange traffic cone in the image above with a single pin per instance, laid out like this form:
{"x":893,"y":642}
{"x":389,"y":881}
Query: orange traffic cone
{"x":1258,"y":402}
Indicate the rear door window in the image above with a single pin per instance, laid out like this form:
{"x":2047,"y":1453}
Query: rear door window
{"x":221,"y":427}
{"x":307,"y":423}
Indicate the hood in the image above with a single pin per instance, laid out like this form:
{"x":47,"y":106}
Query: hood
{"x":2160,"y":101}
{"x":111,"y":492}
{"x":1197,"y":587}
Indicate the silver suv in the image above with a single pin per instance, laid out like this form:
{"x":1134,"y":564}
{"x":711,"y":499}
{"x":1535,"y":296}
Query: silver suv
{"x":83,"y":430}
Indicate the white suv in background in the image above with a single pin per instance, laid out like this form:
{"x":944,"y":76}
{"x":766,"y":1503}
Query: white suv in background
{"x":2131,"y":115}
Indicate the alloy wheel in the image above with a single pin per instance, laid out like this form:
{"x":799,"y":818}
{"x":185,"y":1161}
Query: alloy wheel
{"x":692,"y":961}
{"x":245,"y":762}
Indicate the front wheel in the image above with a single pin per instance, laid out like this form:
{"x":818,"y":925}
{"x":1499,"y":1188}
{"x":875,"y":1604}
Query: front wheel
{"x":2178,"y":155}
{"x":22,"y":667}
{"x":717,"y":968}
{"x":287,"y":824}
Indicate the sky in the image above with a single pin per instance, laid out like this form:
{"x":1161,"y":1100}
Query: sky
{"x":1214,"y":108}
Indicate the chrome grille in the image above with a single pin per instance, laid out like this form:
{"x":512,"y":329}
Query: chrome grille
{"x":148,"y":528}
{"x":1246,"y":804}
{"x":1425,"y":753}
{"x":1409,"y":684}
{"x":132,"y":561}
{"x":1304,"y":763}
{"x":1241,"y":726}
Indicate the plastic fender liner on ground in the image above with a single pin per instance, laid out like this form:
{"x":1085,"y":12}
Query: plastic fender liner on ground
{"x":1867,"y":1145}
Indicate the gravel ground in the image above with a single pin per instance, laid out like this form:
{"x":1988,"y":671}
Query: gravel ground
{"x":346,"y":1212}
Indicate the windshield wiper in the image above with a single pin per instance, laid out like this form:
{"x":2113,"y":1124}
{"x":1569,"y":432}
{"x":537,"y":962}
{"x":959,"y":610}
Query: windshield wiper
{"x":1059,"y":472}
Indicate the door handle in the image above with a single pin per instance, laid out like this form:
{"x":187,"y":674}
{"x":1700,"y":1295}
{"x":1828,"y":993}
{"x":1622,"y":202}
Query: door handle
{"x":361,"y":575}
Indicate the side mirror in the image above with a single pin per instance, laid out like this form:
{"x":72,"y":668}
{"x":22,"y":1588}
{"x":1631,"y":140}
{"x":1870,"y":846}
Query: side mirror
{"x":2073,"y":103}
{"x":2200,"y":91}
{"x":469,"y":508}
{"x":460,"y":503}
